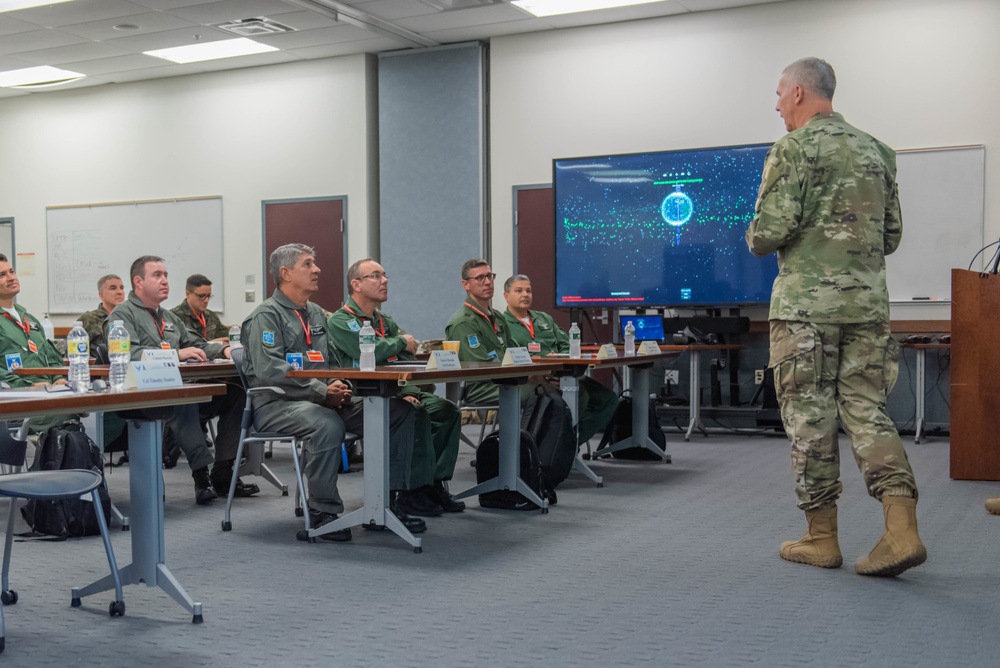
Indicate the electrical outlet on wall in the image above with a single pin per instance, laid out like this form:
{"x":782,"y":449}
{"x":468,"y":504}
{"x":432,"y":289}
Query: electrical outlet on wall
{"x":758,"y":376}
{"x":250,"y":296}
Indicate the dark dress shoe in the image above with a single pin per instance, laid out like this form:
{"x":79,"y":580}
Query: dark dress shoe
{"x":203,"y":492}
{"x":442,"y":497}
{"x":415,"y":502}
{"x":319,"y":519}
{"x":222,"y":476}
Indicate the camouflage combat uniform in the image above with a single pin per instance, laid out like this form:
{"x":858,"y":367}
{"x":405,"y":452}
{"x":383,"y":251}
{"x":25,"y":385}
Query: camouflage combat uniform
{"x":828,"y":204}
{"x":94,"y":323}
{"x":210,"y":327}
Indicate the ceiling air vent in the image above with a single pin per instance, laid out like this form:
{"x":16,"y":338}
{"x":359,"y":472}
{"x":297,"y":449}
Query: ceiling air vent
{"x":254,"y":27}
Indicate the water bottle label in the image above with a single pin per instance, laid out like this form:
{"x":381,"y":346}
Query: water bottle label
{"x":82,"y":347}
{"x":119,"y":346}
{"x":367,"y":339}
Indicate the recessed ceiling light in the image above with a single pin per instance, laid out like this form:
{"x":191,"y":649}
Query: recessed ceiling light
{"x":37,"y":77}
{"x":554,"y":7}
{"x":11,"y":5}
{"x":226,"y":48}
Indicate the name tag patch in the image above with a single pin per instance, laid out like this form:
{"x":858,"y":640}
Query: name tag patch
{"x":164,"y":345}
{"x":353,"y":326}
{"x":534,"y":347}
{"x":314,"y":355}
{"x":168,"y":327}
{"x":492,"y":355}
{"x":317,"y":330}
{"x":267,"y":338}
{"x":294,"y":359}
{"x":474,"y":342}
{"x":13,"y":361}
{"x":32,"y":347}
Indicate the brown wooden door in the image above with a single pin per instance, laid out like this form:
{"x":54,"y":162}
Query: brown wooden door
{"x":318,"y":223}
{"x":536,"y":254}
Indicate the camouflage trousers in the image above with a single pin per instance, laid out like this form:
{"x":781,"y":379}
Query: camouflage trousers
{"x":826,"y":372}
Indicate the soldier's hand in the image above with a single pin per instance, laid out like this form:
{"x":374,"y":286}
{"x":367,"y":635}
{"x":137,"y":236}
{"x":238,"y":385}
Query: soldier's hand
{"x":411,"y":343}
{"x":412,"y":399}
{"x":337,"y":394}
{"x":192,"y":353}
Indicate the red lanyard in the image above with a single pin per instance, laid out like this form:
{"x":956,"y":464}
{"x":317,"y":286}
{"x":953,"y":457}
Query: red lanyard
{"x":530,"y":325}
{"x":24,"y":326}
{"x":485,"y":317}
{"x":204,"y":327}
{"x":309,"y":339}
{"x":381,"y":325}
{"x":156,"y":321}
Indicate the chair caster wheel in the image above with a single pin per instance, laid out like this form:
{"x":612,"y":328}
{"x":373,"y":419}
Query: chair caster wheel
{"x":227,"y":526}
{"x":117,"y":609}
{"x":545,"y":510}
{"x":126,"y":527}
{"x":268,"y":455}
{"x":600,"y":484}
{"x":197,"y":619}
{"x":418,"y":550}
{"x":586,"y":456}
{"x":8,"y":597}
{"x":472,"y":463}
{"x":303,"y":535}
{"x":298,"y":512}
{"x":284,"y":492}
{"x":75,"y":602}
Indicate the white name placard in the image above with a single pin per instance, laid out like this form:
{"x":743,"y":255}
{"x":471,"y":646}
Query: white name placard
{"x":155,"y":375}
{"x":649,"y":348}
{"x":606,"y":351}
{"x":516,"y":357}
{"x":160,"y":355}
{"x":443,"y":360}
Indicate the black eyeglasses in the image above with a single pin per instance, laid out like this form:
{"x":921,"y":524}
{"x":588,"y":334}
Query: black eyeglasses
{"x":482,"y":278}
{"x":375,"y":275}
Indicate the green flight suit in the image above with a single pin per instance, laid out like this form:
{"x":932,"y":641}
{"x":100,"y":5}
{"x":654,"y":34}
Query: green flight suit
{"x":272,"y":336}
{"x":95,"y":322}
{"x":16,"y":347}
{"x":213,"y":328}
{"x":150,"y":329}
{"x":439,"y":422}
{"x":482,"y":337}
{"x":597,"y":403}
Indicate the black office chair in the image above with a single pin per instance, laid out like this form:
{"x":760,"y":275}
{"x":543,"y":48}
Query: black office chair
{"x":46,"y":486}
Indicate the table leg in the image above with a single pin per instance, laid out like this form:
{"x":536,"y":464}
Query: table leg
{"x":694,"y":413}
{"x":921,"y":394}
{"x":148,"y":549}
{"x":510,"y":452}
{"x":570,"y":388}
{"x":375,"y":512}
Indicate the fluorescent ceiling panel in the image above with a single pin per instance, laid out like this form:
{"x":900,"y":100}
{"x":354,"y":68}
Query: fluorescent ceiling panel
{"x":37,"y":77}
{"x":11,"y":5}
{"x":227,"y":48}
{"x":554,"y":7}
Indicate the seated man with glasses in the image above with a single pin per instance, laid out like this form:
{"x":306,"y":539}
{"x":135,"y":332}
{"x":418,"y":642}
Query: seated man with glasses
{"x":438,"y":422}
{"x":194,"y":310}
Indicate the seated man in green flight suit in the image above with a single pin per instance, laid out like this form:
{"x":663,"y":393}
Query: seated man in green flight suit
{"x":539,"y":333}
{"x":438,"y":420}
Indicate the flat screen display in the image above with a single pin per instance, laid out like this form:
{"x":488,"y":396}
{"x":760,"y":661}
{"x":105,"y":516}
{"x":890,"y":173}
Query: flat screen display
{"x":659,"y":229}
{"x":647,"y":327}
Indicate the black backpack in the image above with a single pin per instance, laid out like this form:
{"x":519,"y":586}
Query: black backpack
{"x":488,"y":467}
{"x":620,"y":428}
{"x":67,"y":448}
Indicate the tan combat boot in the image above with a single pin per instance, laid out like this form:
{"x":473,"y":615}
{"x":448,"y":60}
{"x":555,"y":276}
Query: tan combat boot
{"x":899,"y":548}
{"x":993,"y":506}
{"x":819,"y":547}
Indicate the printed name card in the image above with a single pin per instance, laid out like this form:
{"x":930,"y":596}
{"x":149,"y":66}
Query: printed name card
{"x":161,"y":355}
{"x":649,"y":348}
{"x":443,"y":360}
{"x":516,"y":357}
{"x":606,"y":351}
{"x":155,"y":375}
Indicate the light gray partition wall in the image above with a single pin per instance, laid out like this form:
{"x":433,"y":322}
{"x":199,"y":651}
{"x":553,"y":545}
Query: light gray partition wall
{"x":432,"y":179}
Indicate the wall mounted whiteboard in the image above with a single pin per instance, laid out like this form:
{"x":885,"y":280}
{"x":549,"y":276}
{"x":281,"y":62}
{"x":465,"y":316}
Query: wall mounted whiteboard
{"x":941,"y":193}
{"x":88,"y":241}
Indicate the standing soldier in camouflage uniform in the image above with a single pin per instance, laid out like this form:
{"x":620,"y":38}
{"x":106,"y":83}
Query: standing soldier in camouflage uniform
{"x":111,"y":290}
{"x":829,"y":206}
{"x":193,"y":311}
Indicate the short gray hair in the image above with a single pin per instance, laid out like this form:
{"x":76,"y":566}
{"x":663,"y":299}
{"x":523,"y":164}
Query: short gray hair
{"x":514,"y":279}
{"x":813,"y":74}
{"x":104,"y":279}
{"x":354,"y":272}
{"x":286,"y":256}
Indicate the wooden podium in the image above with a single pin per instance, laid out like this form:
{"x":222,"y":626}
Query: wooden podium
{"x":975,"y":375}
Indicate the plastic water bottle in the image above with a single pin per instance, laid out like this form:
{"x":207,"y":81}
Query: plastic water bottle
{"x":629,"y":339}
{"x":119,"y":354}
{"x":234,"y":337}
{"x":366,"y":340}
{"x":78,"y":352}
{"x":574,"y":342}
{"x":48,"y":328}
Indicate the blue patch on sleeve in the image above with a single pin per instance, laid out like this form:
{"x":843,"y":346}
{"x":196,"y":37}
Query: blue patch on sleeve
{"x":353,"y":326}
{"x":492,"y":355}
{"x":267,"y":337}
{"x":473,"y":341}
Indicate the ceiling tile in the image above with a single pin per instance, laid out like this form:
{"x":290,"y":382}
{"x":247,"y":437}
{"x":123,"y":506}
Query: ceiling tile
{"x":270,"y":58}
{"x":390,"y":10}
{"x":307,"y":38}
{"x":461,"y":18}
{"x":618,"y":15}
{"x":36,"y":39}
{"x":304,"y":20}
{"x":72,"y":53}
{"x":168,"y":70}
{"x":228,"y":10}
{"x":474,"y":33}
{"x":80,"y":11}
{"x":169,"y":38}
{"x":148,"y":22}
{"x":10,"y":25}
{"x":348,"y":48}
{"x":127,"y":63}
{"x":164,"y":5}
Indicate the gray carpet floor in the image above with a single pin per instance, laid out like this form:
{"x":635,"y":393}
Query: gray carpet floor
{"x":667,"y":565}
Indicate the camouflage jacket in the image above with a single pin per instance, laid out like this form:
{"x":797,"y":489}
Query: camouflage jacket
{"x":829,"y":206}
{"x":158,"y":329}
{"x":94,"y":322}
{"x":212,"y":328}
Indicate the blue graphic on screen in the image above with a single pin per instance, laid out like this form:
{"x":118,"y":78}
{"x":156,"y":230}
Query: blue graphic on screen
{"x":647,"y":327}
{"x":660,"y":229}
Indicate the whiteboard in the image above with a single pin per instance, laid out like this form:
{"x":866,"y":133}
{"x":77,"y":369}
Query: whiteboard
{"x":88,"y":241}
{"x":941,"y":194}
